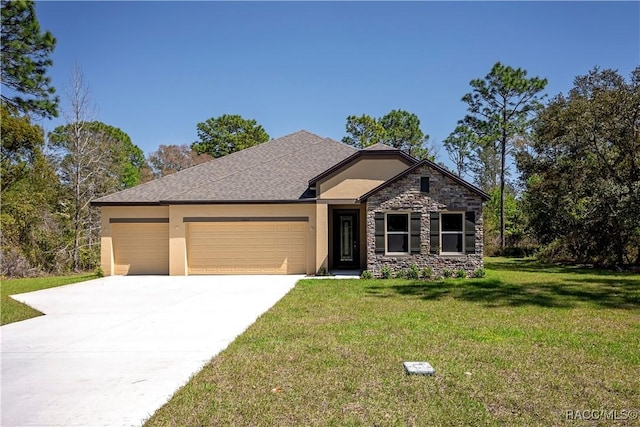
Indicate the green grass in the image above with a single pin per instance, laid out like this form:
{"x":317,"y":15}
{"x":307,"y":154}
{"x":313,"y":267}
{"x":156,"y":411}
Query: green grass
{"x":519,"y":347}
{"x":14,"y":311}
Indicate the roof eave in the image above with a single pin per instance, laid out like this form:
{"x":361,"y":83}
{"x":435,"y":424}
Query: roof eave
{"x":204,"y":202}
{"x":97,"y":203}
{"x":236,"y":202}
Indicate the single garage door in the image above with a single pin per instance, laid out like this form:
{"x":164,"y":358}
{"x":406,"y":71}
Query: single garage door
{"x":254,"y":247}
{"x":141,"y":248}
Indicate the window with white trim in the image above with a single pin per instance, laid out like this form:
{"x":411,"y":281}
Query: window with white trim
{"x":397,"y":233}
{"x":452,"y":232}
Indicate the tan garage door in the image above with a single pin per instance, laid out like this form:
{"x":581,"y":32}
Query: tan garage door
{"x":247,"y":248}
{"x":141,"y":248}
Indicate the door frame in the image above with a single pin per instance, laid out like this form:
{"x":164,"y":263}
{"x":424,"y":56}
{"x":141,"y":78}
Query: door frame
{"x":335,"y":239}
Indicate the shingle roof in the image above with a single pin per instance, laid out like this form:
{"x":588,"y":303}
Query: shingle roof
{"x":277,"y":170}
{"x":380,"y":146}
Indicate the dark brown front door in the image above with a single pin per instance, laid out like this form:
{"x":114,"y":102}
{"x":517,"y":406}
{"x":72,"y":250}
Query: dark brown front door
{"x":346,"y":253}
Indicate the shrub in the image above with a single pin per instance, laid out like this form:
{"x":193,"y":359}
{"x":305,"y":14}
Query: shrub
{"x":446,"y":273}
{"x":478,"y":273}
{"x":89,"y":258}
{"x":461,"y":273}
{"x":322,"y":271}
{"x":413,"y":273}
{"x":385,"y":271}
{"x":426,"y":273}
{"x":15,"y":264}
{"x":400,"y":274}
{"x":99,"y":272}
{"x":366,"y":274}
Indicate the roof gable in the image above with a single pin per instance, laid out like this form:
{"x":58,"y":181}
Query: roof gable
{"x":338,"y":167}
{"x":484,"y":196}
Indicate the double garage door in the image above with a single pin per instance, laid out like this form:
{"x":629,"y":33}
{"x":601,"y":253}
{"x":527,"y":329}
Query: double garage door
{"x":274,"y":247}
{"x":224,"y":247}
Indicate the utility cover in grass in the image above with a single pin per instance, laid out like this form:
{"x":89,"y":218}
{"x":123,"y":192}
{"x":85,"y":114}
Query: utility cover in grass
{"x":419,"y":368}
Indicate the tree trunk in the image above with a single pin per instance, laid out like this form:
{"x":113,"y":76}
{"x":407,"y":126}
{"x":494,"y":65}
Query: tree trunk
{"x":76,"y":228}
{"x":502,"y":216}
{"x":503,"y":156}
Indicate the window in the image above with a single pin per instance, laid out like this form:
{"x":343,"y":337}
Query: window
{"x":397,"y":233}
{"x":424,"y":184}
{"x":452,"y":233}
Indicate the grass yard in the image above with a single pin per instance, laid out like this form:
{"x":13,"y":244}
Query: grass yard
{"x":14,"y":311}
{"x":522,"y":346}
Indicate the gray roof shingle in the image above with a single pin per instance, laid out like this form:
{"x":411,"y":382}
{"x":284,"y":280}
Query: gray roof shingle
{"x":380,"y":146}
{"x":276,"y":170}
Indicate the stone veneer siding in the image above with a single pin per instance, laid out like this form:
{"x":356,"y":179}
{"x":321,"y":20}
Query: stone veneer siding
{"x":404,"y":195}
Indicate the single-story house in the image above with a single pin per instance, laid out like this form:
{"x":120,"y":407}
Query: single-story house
{"x":299,"y":204}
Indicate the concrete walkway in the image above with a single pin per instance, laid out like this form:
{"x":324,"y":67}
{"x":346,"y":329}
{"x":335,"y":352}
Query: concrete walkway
{"x":111,"y":351}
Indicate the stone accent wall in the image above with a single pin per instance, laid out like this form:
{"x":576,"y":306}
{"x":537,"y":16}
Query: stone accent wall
{"x":404,"y":195}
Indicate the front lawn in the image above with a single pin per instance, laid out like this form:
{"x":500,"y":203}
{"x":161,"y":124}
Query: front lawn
{"x":522,"y":346}
{"x":14,"y":311}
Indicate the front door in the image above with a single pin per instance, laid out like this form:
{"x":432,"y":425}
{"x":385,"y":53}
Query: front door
{"x":346,"y":254}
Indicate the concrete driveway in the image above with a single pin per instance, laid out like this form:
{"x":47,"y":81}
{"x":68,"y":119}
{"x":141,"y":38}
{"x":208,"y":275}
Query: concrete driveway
{"x":111,"y":351}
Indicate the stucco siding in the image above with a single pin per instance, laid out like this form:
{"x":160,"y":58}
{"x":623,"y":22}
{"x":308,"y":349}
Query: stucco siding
{"x":360,"y":177}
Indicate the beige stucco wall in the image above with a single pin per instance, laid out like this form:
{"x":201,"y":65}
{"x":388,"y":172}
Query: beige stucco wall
{"x":316,"y":238}
{"x":359,"y":178}
{"x":321,"y":237}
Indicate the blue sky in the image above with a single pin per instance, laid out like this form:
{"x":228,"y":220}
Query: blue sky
{"x":156,"y":69}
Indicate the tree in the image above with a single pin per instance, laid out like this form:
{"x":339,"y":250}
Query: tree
{"x":459,"y":145}
{"x":398,"y":128}
{"x":518,"y":242}
{"x":582,"y":171}
{"x":363,"y":131}
{"x":123,"y":160}
{"x":30,"y":227}
{"x":94,"y":159}
{"x":25,"y":58}
{"x":168,"y":159}
{"x":500,"y":106}
{"x":402,"y":131}
{"x":485,"y":164}
{"x":21,"y":141}
{"x":227,"y":134}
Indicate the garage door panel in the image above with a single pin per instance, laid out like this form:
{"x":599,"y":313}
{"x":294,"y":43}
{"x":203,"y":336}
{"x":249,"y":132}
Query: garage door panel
{"x":140,"y":248}
{"x":247,"y":248}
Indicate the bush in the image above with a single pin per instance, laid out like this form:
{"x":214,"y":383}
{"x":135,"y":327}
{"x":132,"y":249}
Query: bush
{"x":99,"y":272}
{"x":366,"y":274}
{"x":89,"y":258}
{"x":15,"y":264}
{"x":478,"y":273}
{"x":446,"y":273}
{"x":556,"y":252}
{"x":385,"y":271}
{"x":413,"y":273}
{"x":400,"y":274}
{"x":460,"y":273}
{"x":322,"y":271}
{"x":426,"y":273}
